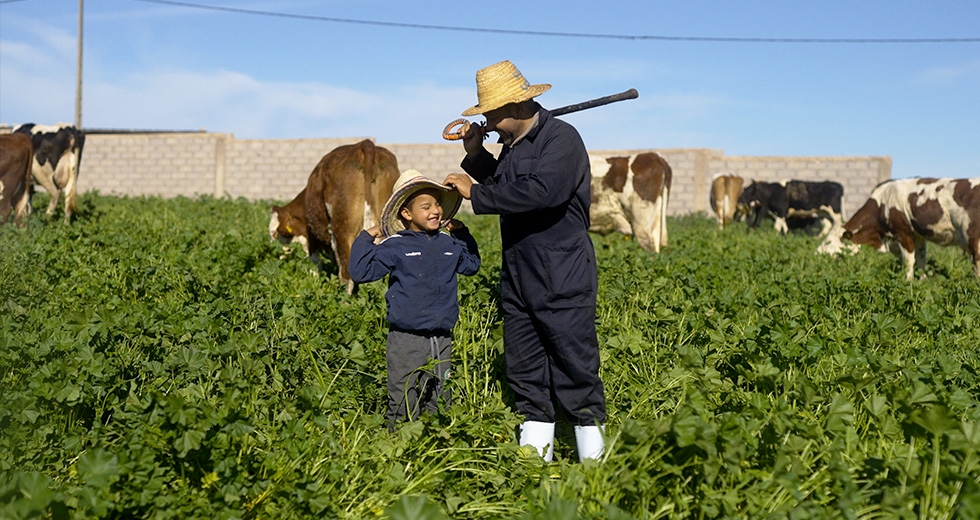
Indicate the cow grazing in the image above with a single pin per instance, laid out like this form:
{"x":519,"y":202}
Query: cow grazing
{"x":344,"y":195}
{"x":288,"y":225}
{"x":630,"y":196}
{"x":901,"y":215}
{"x":57,"y":155}
{"x":793,"y":200}
{"x":726,"y":188}
{"x":16,"y":153}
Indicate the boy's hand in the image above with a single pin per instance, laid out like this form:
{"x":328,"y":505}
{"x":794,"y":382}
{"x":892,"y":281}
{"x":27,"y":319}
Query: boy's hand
{"x":374,"y":231}
{"x":455,"y":225}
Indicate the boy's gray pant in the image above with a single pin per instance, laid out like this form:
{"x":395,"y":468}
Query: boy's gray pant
{"x":412,"y":385}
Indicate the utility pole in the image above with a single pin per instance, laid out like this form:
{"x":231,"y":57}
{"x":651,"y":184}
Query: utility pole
{"x":78,"y":72}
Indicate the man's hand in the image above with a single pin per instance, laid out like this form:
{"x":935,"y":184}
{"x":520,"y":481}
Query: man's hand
{"x":461,"y":182}
{"x":473,"y":136}
{"x":374,"y":231}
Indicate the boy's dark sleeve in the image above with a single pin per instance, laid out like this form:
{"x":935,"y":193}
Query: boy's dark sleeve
{"x":469,"y":261}
{"x":366,"y":263}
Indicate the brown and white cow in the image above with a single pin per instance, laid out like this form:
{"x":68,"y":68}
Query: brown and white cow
{"x":16,"y":152}
{"x":344,"y":195}
{"x":57,"y":155}
{"x":901,"y":215}
{"x":630,"y":196}
{"x":726,"y":188}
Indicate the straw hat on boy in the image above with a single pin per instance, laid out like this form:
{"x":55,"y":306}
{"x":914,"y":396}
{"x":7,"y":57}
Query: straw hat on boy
{"x":501,"y":84}
{"x":409,"y":182}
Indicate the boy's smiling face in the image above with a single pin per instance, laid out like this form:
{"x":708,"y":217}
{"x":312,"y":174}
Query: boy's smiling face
{"x":423,"y":212}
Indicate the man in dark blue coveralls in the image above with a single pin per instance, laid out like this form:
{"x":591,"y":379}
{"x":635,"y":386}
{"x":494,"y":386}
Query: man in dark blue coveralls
{"x":539,"y":185}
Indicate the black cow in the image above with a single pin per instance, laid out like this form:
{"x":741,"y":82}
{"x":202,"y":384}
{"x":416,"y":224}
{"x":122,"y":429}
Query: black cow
{"x":787,"y":200}
{"x":57,"y":154}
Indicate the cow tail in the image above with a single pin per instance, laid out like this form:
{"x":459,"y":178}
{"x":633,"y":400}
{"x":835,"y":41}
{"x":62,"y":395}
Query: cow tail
{"x":724,"y":213}
{"x":22,"y":206}
{"x":315,"y":204}
{"x":70,"y":198}
{"x":369,"y":159}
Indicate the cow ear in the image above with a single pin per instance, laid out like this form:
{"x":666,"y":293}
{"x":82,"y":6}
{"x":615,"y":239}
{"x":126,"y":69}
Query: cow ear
{"x":847,"y":235}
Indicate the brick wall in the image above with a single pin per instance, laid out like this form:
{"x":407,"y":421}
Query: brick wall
{"x":194,"y":164}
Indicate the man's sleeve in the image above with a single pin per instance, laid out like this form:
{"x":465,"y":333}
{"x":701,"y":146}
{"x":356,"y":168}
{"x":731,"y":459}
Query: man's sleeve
{"x":481,"y":168}
{"x":556,"y":176}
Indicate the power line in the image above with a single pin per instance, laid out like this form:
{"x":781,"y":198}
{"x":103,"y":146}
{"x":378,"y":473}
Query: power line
{"x":559,"y":34}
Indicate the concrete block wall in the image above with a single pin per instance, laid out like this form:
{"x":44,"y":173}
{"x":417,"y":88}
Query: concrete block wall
{"x":196,"y":164}
{"x":272,"y":169}
{"x":167,"y":165}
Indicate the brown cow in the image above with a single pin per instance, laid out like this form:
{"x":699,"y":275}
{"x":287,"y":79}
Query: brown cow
{"x":901,"y":215}
{"x":16,"y":154}
{"x":344,"y":195}
{"x":726,"y":188}
{"x":630,"y":196}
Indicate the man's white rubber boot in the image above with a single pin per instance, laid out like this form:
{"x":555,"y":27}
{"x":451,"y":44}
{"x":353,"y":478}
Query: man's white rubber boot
{"x":541,"y":436}
{"x":589,"y":441}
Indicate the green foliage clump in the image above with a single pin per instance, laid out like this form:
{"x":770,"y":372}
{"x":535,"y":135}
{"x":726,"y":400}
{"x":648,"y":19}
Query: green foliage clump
{"x":165,"y":359}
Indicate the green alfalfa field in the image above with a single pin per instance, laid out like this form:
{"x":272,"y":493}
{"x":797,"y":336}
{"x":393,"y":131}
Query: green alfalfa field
{"x":165,"y":359}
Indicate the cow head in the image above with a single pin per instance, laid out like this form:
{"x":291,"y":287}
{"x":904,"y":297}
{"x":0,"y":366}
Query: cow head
{"x":838,"y":241}
{"x":287,"y":229}
{"x":863,"y":228}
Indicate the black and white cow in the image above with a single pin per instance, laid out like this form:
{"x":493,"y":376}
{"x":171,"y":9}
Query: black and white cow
{"x":786,"y":200}
{"x":57,"y":154}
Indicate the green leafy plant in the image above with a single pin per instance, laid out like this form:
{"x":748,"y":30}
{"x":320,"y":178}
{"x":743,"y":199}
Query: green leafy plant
{"x":165,"y":359}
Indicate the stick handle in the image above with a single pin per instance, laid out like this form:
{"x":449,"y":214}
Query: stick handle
{"x":450,"y":134}
{"x":598,"y":102}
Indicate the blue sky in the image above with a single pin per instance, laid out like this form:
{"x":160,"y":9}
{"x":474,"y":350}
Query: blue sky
{"x":163,"y":66}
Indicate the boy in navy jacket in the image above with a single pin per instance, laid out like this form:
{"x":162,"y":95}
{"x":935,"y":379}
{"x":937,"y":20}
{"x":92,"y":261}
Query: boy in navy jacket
{"x":421,"y":263}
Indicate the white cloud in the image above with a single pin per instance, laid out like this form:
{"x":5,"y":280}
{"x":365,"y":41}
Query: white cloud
{"x":226,"y":101}
{"x":950,"y":76}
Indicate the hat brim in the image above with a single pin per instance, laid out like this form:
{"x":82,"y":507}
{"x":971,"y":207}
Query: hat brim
{"x":532,"y":92}
{"x":451,"y":200}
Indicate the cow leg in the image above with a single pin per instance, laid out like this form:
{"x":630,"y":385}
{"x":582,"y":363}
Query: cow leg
{"x":726,"y":212}
{"x":71,"y":203}
{"x":347,"y":221}
{"x":643,"y":216}
{"x":908,"y":262}
{"x":973,"y":244}
{"x":920,"y":255}
{"x":826,"y":225}
{"x":657,"y":230}
{"x":781,"y":225}
{"x":662,"y":217}
{"x":45,"y":177}
{"x":908,"y":250}
{"x":22,"y":208}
